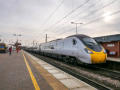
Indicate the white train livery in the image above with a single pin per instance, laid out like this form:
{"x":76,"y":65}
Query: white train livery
{"x":80,"y":47}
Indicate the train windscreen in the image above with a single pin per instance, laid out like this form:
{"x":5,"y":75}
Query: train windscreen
{"x":92,"y":44}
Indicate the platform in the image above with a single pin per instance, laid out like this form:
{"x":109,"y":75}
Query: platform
{"x":22,"y":71}
{"x":113,"y":59}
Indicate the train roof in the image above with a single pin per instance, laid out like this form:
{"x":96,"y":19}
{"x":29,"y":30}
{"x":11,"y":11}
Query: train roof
{"x":56,"y":40}
{"x":80,"y":36}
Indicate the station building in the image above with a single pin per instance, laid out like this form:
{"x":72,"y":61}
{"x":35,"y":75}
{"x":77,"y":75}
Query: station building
{"x":111,"y":43}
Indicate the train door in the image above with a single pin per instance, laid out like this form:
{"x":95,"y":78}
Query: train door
{"x":75,"y":46}
{"x":74,"y":43}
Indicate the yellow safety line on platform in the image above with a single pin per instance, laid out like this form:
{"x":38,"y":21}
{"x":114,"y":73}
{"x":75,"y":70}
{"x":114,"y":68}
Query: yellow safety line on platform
{"x":31,"y":74}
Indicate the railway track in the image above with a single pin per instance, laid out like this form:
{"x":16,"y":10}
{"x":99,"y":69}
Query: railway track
{"x":83,"y":78}
{"x":71,"y":71}
{"x":108,"y":72}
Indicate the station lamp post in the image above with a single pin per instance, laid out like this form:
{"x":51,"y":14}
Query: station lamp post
{"x":0,"y":38}
{"x":76,"y":25}
{"x":17,"y":35}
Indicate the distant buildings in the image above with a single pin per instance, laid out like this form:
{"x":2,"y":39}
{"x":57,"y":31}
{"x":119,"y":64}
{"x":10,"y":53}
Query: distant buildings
{"x":111,"y":43}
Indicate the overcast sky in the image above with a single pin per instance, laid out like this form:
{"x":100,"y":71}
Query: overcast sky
{"x":35,"y":18}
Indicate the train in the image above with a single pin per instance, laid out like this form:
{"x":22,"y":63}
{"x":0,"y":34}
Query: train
{"x":74,"y":49}
{"x":3,"y":48}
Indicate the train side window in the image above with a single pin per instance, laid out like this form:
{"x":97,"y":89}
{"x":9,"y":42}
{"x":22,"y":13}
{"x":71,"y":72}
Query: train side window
{"x":52,"y":47}
{"x":74,"y":42}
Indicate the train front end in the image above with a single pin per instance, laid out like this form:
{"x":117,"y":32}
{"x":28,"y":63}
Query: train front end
{"x":96,"y":51}
{"x":98,"y":57}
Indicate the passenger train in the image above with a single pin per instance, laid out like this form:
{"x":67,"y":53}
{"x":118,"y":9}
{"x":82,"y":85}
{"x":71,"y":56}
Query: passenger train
{"x":76,"y":48}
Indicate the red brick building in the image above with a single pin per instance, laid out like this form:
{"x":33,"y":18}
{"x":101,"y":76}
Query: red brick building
{"x":111,"y":43}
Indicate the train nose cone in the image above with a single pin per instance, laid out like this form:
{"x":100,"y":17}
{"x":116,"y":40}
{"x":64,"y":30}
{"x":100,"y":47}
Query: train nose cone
{"x":98,"y":57}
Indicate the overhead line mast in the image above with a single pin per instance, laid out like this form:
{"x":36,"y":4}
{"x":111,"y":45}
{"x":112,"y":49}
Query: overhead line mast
{"x":46,"y":38}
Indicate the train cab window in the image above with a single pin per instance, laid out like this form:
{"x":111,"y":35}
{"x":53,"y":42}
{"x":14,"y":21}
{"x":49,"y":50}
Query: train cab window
{"x":92,"y":44}
{"x":74,"y":42}
{"x":89,"y":41}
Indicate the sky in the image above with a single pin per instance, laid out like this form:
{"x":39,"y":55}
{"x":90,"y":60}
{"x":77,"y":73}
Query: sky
{"x":33,"y":19}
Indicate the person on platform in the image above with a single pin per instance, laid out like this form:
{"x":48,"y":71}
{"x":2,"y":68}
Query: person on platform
{"x":10,"y":50}
{"x":17,"y":49}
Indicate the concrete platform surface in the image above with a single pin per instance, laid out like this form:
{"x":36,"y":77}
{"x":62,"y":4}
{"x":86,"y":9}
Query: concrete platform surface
{"x":113,"y":59}
{"x":69,"y":81}
{"x":23,"y":71}
{"x":19,"y":72}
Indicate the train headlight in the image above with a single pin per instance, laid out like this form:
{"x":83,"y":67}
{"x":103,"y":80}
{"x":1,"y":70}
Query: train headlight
{"x":104,"y":51}
{"x":88,"y":51}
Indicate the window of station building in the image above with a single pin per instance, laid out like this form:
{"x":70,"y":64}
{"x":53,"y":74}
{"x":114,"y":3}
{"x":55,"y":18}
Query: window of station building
{"x":74,"y":42}
{"x":112,"y":53}
{"x":110,"y":45}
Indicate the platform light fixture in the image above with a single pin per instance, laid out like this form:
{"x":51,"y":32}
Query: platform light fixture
{"x":76,"y":25}
{"x":17,"y":35}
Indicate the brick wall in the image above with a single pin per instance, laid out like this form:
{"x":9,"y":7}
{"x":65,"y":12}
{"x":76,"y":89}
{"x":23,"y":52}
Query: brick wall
{"x":112,"y":48}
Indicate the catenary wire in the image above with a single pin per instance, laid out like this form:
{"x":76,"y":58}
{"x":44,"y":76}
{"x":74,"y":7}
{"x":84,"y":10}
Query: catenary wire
{"x":92,"y":21}
{"x":95,"y":11}
{"x":51,"y":15}
{"x":68,"y":14}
